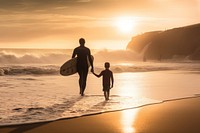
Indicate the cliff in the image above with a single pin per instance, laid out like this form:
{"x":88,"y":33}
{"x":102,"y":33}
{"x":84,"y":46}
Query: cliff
{"x":183,"y":42}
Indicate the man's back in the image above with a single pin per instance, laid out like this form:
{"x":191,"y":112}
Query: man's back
{"x":82,"y":53}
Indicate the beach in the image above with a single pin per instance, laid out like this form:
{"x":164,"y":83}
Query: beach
{"x":146,"y":97}
{"x":146,"y":55}
{"x":173,"y":116}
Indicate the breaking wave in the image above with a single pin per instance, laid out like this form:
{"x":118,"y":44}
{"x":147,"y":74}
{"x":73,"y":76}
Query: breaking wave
{"x":137,"y":67}
{"x":29,"y":70}
{"x":48,"y":62}
{"x":60,"y":56}
{"x":27,"y":58}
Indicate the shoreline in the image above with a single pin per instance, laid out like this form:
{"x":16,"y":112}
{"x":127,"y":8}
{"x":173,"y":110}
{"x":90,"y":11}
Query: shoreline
{"x":187,"y":106}
{"x":98,"y":113}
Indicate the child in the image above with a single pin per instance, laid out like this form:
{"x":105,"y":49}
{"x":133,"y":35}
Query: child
{"x":107,"y":76}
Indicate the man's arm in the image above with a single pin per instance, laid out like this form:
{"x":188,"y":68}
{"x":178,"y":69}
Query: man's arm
{"x":91,"y":61}
{"x":97,"y":74}
{"x":74,"y":53}
{"x":112,"y":80}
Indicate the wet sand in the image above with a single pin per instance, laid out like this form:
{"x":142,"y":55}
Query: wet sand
{"x":175,"y":116}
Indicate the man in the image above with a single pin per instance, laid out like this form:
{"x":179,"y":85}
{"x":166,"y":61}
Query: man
{"x":83,"y":54}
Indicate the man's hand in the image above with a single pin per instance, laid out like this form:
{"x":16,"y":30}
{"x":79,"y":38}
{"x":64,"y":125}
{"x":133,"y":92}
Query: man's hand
{"x":92,"y":70}
{"x":111,"y":86}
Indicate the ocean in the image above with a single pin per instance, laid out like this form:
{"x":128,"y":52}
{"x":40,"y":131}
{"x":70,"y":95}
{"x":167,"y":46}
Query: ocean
{"x":32,"y":90}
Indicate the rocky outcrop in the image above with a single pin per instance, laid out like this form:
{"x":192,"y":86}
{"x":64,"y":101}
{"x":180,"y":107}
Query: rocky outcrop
{"x":183,"y":42}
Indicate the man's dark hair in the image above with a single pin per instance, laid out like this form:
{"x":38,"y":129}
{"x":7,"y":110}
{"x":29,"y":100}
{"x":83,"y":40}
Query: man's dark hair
{"x":82,"y":41}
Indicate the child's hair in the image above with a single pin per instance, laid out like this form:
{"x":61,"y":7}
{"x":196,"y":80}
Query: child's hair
{"x":107,"y":64}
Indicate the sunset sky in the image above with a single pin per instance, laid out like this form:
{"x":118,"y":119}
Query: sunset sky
{"x":106,"y":24}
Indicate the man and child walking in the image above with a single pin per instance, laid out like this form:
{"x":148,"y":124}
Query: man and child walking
{"x":83,"y":54}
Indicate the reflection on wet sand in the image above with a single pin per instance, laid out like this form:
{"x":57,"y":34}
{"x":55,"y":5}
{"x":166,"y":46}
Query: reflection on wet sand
{"x":127,"y":119}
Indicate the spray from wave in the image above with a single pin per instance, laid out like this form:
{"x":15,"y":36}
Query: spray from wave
{"x":48,"y":58}
{"x":48,"y":62}
{"x":29,"y":70}
{"x":59,"y":57}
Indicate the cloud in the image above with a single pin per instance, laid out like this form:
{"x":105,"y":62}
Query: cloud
{"x":26,"y":20}
{"x":27,"y":27}
{"x":92,"y":7}
{"x":83,"y":0}
{"x":99,"y":7}
{"x":28,"y":5}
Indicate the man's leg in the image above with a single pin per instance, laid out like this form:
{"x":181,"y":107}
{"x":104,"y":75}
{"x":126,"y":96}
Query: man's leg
{"x":85,"y":73}
{"x":104,"y":92}
{"x":80,"y":80}
{"x":108,"y":94}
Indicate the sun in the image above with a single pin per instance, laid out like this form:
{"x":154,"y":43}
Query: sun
{"x":125,"y":24}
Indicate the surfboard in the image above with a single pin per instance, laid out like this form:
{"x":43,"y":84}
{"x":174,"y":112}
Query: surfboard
{"x":69,"y":67}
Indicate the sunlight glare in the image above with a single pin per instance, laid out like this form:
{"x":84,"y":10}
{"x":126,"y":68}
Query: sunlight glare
{"x":128,"y":118}
{"x":125,"y":24}
{"x":128,"y":85}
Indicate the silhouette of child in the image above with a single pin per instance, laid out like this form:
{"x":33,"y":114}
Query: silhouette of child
{"x":107,"y":77}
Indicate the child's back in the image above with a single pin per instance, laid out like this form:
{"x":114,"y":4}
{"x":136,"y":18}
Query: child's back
{"x":107,"y":75}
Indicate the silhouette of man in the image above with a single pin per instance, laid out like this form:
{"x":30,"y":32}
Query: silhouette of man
{"x":83,"y":54}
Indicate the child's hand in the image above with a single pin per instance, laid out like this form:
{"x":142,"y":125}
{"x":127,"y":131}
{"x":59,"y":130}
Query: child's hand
{"x":111,"y":86}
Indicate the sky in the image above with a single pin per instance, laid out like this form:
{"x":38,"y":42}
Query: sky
{"x":105,"y":24}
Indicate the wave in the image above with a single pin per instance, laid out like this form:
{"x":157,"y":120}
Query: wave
{"x":54,"y":69}
{"x":116,"y":68}
{"x":48,"y":62}
{"x":32,"y":58}
{"x":29,"y":70}
{"x":73,"y":107}
{"x":58,"y":57}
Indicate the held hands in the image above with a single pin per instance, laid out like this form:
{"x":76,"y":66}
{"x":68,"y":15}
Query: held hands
{"x":92,"y":70}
